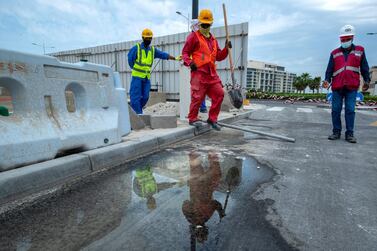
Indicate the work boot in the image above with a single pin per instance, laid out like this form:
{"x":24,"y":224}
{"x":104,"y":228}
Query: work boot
{"x":350,"y":138}
{"x":334,"y":136}
{"x":196,"y":123}
{"x":214,"y":125}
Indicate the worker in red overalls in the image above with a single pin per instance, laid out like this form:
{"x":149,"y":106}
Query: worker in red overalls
{"x":200,"y":53}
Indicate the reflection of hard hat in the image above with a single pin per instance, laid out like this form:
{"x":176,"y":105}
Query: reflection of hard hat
{"x":205,"y":17}
{"x":147,"y":33}
{"x":347,"y":30}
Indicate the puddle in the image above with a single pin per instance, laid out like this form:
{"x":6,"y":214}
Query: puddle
{"x":185,"y":198}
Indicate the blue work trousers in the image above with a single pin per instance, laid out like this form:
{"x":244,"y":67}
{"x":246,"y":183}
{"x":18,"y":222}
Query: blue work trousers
{"x":139,"y":93}
{"x":349,"y":97}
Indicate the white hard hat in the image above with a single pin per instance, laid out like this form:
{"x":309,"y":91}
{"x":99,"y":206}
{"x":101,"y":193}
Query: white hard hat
{"x":347,"y":30}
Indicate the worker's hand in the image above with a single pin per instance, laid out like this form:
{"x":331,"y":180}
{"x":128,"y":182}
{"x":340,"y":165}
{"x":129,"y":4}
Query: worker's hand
{"x":365,"y":87}
{"x":325,"y":84}
{"x":193,"y":66}
{"x":178,"y":58}
{"x":222,"y":214}
{"x":228,"y":44}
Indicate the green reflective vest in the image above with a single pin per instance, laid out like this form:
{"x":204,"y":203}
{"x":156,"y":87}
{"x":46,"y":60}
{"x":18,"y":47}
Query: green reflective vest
{"x":143,"y":64}
{"x":4,"y":111}
{"x":147,"y":182}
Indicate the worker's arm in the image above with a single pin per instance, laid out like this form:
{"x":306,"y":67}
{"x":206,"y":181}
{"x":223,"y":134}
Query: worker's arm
{"x":132,"y":54}
{"x":219,"y":208}
{"x":330,"y":69}
{"x":162,"y":55}
{"x":364,"y":69}
{"x":191,"y":44}
{"x":221,"y":54}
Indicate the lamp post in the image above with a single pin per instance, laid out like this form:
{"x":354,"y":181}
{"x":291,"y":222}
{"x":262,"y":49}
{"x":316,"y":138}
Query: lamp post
{"x":187,"y":18}
{"x":44,"y":47}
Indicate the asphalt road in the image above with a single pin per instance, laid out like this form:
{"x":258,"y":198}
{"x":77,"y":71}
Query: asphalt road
{"x":314,"y":194}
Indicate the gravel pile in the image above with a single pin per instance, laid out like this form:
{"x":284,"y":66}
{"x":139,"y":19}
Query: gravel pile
{"x":168,"y":108}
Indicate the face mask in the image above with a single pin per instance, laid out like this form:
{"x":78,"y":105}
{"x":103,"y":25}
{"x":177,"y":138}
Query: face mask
{"x":147,"y":42}
{"x":346,"y":45}
{"x":205,"y":31}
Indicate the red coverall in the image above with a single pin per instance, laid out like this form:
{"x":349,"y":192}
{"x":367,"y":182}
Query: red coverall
{"x":204,"y":81}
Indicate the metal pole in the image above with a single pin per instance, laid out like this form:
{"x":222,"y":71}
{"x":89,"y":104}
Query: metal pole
{"x":195,"y":9}
{"x":271,"y":135}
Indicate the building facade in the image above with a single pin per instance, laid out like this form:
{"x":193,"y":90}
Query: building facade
{"x":268,"y":77}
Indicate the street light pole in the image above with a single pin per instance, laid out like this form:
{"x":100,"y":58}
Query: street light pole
{"x":43,"y":46}
{"x":187,"y":18}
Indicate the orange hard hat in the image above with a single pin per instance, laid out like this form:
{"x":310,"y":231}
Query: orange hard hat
{"x":205,"y":16}
{"x":147,"y":33}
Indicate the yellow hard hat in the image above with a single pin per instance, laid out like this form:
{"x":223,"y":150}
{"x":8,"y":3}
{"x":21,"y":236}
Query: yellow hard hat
{"x":147,"y":33}
{"x":205,"y":16}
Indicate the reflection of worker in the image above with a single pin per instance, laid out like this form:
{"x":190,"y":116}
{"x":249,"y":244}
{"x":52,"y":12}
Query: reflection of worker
{"x":140,"y":59}
{"x":4,"y":111}
{"x":145,"y":186}
{"x":201,"y":206}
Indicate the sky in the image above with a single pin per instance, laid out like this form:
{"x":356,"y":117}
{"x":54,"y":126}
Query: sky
{"x":296,"y":34}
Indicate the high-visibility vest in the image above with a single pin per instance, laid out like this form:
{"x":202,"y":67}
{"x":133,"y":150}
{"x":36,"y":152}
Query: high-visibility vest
{"x":143,"y":64}
{"x":147,"y":182}
{"x":204,"y":55}
{"x":347,"y":72}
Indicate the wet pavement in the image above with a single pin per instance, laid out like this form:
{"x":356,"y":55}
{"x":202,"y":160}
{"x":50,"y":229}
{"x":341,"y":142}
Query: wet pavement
{"x":196,"y":195}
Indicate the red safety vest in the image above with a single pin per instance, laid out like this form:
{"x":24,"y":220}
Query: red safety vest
{"x":204,"y":55}
{"x":347,"y":72}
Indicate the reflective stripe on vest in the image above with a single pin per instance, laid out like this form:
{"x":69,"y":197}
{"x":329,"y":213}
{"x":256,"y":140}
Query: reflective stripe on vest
{"x":204,"y":55}
{"x":143,"y":63}
{"x":350,"y":68}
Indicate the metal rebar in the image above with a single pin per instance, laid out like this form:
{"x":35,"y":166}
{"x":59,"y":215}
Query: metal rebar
{"x":271,"y":135}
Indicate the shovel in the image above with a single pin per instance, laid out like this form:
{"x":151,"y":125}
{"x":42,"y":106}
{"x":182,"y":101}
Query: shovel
{"x":235,"y":93}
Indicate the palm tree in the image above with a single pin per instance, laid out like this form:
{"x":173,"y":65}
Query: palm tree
{"x":315,"y":83}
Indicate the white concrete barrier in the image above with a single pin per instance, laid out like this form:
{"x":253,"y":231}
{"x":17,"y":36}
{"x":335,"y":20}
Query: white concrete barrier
{"x":58,"y":107}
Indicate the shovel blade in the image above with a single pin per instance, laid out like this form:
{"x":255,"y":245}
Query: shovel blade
{"x":236,"y":98}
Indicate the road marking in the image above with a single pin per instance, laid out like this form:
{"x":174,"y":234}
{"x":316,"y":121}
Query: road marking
{"x":307,"y":110}
{"x":369,"y":113}
{"x":373,"y":124}
{"x":276,"y":109}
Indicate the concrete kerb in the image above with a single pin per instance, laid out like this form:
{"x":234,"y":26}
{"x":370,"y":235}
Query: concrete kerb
{"x":18,"y":183}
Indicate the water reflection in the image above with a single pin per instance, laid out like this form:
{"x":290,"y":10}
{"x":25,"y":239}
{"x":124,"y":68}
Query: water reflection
{"x":145,"y":186}
{"x":204,"y":179}
{"x":158,"y":202}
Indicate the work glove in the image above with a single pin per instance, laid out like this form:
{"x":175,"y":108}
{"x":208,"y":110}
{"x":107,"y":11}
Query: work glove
{"x":228,"y":44}
{"x":365,"y":87}
{"x":325,"y":84}
{"x":193,"y":66}
{"x":178,"y":58}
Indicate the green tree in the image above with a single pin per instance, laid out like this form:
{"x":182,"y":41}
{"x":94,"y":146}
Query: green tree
{"x":301,"y":82}
{"x":314,"y":84}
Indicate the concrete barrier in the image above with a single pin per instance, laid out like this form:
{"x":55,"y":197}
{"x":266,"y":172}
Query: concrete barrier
{"x":58,"y":107}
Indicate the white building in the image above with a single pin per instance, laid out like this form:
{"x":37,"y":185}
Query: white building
{"x":268,"y":77}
